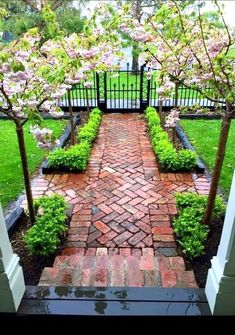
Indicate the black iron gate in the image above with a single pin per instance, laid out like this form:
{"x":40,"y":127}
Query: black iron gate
{"x":127,"y":90}
{"x":123,"y":90}
{"x":113,"y":91}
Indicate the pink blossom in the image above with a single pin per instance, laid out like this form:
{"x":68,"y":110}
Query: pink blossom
{"x":172,"y":118}
{"x":32,"y":103}
{"x":90,"y":53}
{"x":56,"y":111}
{"x":87,"y":84}
{"x":72,"y":53}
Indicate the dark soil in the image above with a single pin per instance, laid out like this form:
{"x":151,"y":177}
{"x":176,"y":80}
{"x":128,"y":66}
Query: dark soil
{"x":201,"y":265}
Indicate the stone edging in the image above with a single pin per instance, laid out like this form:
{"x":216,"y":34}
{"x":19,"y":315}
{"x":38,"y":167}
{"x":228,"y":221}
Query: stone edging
{"x":13,"y":218}
{"x":200,"y":167}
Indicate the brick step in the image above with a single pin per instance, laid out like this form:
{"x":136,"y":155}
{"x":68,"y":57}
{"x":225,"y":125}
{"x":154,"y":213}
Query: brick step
{"x":119,"y":271}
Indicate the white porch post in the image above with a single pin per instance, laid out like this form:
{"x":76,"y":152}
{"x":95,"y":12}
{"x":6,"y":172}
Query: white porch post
{"x":12,"y":285}
{"x":220,"y":285}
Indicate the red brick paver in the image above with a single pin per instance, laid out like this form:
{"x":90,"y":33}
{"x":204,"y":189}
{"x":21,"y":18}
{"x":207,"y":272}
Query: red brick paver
{"x":123,"y":204}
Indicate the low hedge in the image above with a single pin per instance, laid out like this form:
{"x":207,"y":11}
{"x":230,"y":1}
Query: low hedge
{"x":190,"y":231}
{"x":169,"y":158}
{"x":89,"y":131}
{"x":44,"y":236}
{"x":76,"y":157}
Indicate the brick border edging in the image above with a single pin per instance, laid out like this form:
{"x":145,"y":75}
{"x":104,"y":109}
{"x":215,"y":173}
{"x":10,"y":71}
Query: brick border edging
{"x":200,"y":166}
{"x":13,"y":218}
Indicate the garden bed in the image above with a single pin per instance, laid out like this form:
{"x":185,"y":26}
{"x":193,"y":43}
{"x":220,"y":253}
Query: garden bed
{"x":74,"y":159}
{"x":33,"y":265}
{"x":202,"y":264}
{"x":200,"y":167}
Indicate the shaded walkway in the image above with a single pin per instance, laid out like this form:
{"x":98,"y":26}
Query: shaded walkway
{"x":122,"y":211}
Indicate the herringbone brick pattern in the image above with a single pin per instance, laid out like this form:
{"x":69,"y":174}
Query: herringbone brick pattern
{"x":122,"y":203}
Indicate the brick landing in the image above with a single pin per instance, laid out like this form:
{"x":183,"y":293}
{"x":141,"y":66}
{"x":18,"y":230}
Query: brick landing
{"x":122,"y":206}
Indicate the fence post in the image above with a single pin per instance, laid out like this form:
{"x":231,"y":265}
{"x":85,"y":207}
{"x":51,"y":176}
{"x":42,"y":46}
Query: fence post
{"x":98,"y":89}
{"x":105,"y":90}
{"x":148,"y":91}
{"x":142,"y":107}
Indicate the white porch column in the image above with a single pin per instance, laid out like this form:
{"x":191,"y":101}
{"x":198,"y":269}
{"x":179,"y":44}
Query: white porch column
{"x":12,"y":285}
{"x":220,"y":285}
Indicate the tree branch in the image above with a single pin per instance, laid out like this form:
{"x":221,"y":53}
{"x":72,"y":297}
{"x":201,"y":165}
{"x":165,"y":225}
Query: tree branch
{"x":207,"y":53}
{"x":226,"y":27}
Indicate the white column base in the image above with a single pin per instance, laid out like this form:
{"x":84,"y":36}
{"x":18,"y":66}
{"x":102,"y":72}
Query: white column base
{"x":12,"y":286}
{"x":220,"y":290}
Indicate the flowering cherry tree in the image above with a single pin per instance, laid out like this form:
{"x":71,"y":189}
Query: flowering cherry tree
{"x":28,"y":86}
{"x":192,"y":51}
{"x":33,"y":77}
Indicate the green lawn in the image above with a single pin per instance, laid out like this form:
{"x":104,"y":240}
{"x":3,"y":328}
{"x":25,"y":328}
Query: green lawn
{"x":11,"y":179}
{"x":203,"y":134}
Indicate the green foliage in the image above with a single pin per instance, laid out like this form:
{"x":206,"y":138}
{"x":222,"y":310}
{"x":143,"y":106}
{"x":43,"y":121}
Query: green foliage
{"x":190,"y":231}
{"x":168,"y":157}
{"x":77,"y":156}
{"x":51,"y":28}
{"x":44,"y":237}
{"x":22,"y":17}
{"x":18,"y":24}
{"x":74,"y":158}
{"x":70,"y":20}
{"x":89,"y":131}
{"x":194,"y":200}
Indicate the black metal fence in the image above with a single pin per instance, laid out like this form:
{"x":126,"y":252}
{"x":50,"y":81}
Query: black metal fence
{"x":128,"y":90}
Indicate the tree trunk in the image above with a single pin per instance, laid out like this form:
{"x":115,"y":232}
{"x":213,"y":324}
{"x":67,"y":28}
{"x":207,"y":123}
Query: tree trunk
{"x":135,"y":62}
{"x":24,"y":162}
{"x":72,"y":137}
{"x":224,"y":131}
{"x":136,"y":11}
{"x":173,"y":130}
{"x":176,"y":94}
{"x":162,"y":121}
{"x":87,"y":101}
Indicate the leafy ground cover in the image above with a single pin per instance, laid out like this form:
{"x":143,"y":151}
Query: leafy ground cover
{"x":203,"y":135}
{"x":11,"y":179}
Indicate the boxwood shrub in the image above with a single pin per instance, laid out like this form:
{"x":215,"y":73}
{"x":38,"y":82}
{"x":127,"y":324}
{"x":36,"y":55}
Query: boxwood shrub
{"x":44,"y":236}
{"x":89,"y":131}
{"x":190,"y":231}
{"x":75,"y":158}
{"x":169,"y":158}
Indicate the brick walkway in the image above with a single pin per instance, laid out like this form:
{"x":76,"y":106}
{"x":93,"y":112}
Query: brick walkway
{"x":120,"y":233}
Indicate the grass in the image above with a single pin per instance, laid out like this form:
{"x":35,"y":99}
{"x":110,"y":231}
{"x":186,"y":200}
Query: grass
{"x":204,"y":134}
{"x":11,"y":178}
